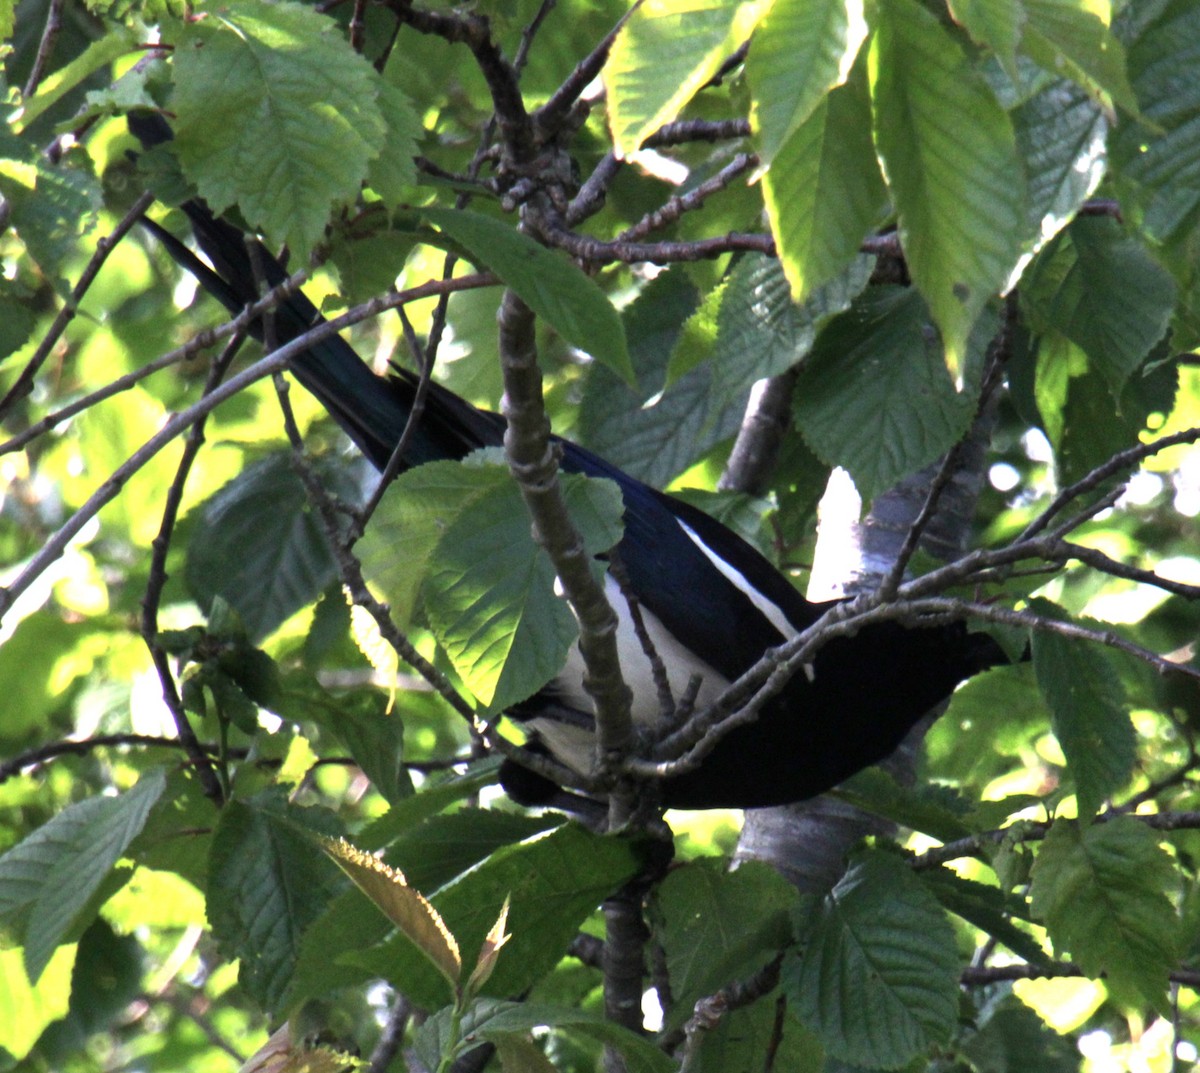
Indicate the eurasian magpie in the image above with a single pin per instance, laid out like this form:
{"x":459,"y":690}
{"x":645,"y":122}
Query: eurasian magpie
{"x":711,"y":603}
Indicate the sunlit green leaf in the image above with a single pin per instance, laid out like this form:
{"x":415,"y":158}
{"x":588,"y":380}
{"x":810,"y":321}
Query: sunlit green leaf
{"x":824,"y":191}
{"x":801,"y":50}
{"x":665,"y":53}
{"x":275,"y":114}
{"x":55,"y":872}
{"x":949,"y":154}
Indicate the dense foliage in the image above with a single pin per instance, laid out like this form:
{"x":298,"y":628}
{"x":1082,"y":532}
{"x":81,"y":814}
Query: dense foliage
{"x":230,"y":796}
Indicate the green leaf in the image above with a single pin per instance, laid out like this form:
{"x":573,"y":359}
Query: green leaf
{"x":743,"y":1036}
{"x":418,"y":508}
{"x":555,"y":880}
{"x":115,"y":42}
{"x":1089,"y":714}
{"x":259,"y":546}
{"x":55,"y":872}
{"x":996,"y":24}
{"x":878,"y":978}
{"x":553,"y":287}
{"x":1095,"y":425}
{"x":874,"y":367}
{"x":650,"y":432}
{"x":761,"y":332}
{"x":802,"y":49}
{"x":1161,"y":156}
{"x":1067,"y":36}
{"x":27,"y":1009}
{"x":1014,"y":1037}
{"x":716,"y":926}
{"x":17,"y":321}
{"x":1061,"y":136}
{"x":488,"y":590}
{"x":393,"y":174}
{"x":1104,"y":292}
{"x":276,"y":114}
{"x":824,"y":191}
{"x":1003,"y":707}
{"x":431,"y":799}
{"x":372,"y":733}
{"x":432,"y":853}
{"x":52,"y":207}
{"x":919,"y":808}
{"x":950,"y":157}
{"x":987,"y":908}
{"x":1103,"y":892}
{"x":31,"y":653}
{"x":266,"y":884}
{"x":667,"y":50}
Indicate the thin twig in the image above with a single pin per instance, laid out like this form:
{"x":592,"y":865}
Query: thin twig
{"x":675,"y":206}
{"x":45,"y":47}
{"x":410,"y":425}
{"x":951,"y":463}
{"x":82,"y":747}
{"x":267,"y":366}
{"x":550,"y":116}
{"x":23,"y":385}
{"x":597,"y":251}
{"x":210,"y":780}
{"x":697,"y":130}
{"x":1122,"y":460}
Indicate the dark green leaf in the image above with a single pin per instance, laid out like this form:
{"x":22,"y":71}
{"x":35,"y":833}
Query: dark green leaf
{"x":651,"y":433}
{"x":1103,"y":892}
{"x":761,"y":332}
{"x":553,"y":287}
{"x":876,"y":368}
{"x":1014,"y":1037}
{"x":641,"y":1056}
{"x":717,"y":926}
{"x":1163,"y":162}
{"x":987,"y":908}
{"x":259,"y":546}
{"x":1089,"y":715}
{"x":742,"y":1037}
{"x":1105,"y":293}
{"x":1061,"y":137}
{"x":878,"y":977}
{"x":267,"y":882}
{"x":554,"y":880}
{"x":920,"y":808}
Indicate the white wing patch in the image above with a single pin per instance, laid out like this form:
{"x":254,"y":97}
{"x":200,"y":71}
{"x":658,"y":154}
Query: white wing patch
{"x":770,"y":611}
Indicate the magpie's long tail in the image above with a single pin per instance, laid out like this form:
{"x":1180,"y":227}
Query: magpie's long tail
{"x":372,"y":410}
